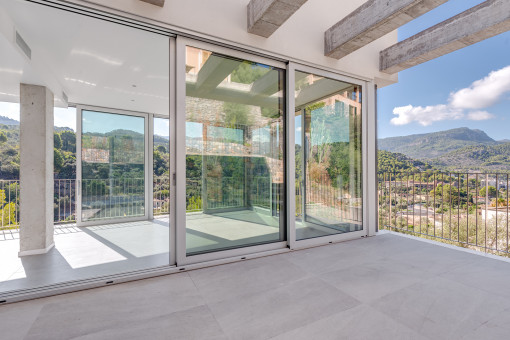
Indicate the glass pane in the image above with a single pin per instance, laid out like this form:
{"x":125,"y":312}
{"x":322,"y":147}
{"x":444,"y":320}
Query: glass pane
{"x":234,"y":152}
{"x":161,"y":165}
{"x":113,"y":166}
{"x":328,"y":157}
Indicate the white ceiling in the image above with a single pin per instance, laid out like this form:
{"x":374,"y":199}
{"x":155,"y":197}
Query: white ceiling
{"x":93,"y":61}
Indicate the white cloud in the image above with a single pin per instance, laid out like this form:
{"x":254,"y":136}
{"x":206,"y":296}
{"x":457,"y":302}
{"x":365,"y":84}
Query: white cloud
{"x":424,"y":115}
{"x":483,"y":93}
{"x":479,"y":115}
{"x":463,"y":104}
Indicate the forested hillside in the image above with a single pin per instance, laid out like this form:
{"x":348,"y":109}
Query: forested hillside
{"x":433,"y":145}
{"x":397,"y":162}
{"x":64,"y":151}
{"x":479,"y":157}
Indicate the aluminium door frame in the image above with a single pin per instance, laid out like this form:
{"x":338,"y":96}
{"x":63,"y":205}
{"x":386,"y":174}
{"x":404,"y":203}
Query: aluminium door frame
{"x":293,"y":243}
{"x":180,"y":126}
{"x":79,"y":128}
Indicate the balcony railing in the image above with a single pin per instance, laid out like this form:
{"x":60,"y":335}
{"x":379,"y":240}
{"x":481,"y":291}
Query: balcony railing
{"x":9,"y":204}
{"x":227,"y":193}
{"x":466,"y":209}
{"x":65,"y":200}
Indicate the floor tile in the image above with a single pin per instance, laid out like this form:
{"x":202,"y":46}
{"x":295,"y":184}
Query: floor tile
{"x":487,"y":274}
{"x":247,"y":277}
{"x":17,"y":319}
{"x":375,"y":279}
{"x":192,"y":324}
{"x":114,"y":306}
{"x":359,"y":323}
{"x":278,"y":310}
{"x":442,"y":309}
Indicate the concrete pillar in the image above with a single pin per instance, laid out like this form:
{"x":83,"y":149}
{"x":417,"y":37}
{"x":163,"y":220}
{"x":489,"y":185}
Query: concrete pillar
{"x":36,"y":170}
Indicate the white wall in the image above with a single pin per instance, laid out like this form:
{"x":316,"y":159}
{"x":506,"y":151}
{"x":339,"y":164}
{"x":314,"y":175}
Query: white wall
{"x":300,"y":38}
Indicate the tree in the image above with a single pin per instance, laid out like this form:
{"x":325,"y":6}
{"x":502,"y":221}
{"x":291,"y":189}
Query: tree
{"x":161,"y":149}
{"x":236,"y":114}
{"x":160,"y":165}
{"x":2,"y":197}
{"x":8,"y":214}
{"x":493,"y":192}
{"x":58,"y":160}
{"x":57,"y":141}
{"x":3,"y":137}
{"x":448,"y":193}
{"x":68,"y":139}
{"x":247,"y":72}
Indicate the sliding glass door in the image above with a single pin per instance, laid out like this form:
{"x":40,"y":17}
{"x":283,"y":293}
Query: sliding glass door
{"x":328,"y":155}
{"x":112,"y":174}
{"x":234,"y":133}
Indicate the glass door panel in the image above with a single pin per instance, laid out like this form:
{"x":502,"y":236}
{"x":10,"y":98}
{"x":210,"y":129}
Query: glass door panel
{"x":234,"y":152}
{"x":161,"y":167}
{"x":328,"y":156}
{"x":113,"y":166}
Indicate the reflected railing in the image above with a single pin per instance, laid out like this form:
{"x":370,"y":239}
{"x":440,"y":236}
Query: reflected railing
{"x":112,"y":198}
{"x":470,"y":210}
{"x":161,"y":196}
{"x":232,"y":193}
{"x":328,"y":201}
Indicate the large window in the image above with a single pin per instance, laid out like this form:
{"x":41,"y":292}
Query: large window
{"x":328,"y":156}
{"x":113,"y":166}
{"x":234,"y":152}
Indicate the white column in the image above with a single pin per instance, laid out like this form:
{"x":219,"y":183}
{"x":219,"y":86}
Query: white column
{"x":36,"y":170}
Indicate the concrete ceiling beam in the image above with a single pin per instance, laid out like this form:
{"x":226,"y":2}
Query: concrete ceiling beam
{"x":159,"y":3}
{"x":481,"y":22}
{"x":371,"y":21}
{"x":266,"y":16}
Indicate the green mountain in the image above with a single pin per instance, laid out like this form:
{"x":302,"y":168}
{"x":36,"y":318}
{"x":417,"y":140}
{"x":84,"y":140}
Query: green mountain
{"x":476,"y":158}
{"x":433,"y":145}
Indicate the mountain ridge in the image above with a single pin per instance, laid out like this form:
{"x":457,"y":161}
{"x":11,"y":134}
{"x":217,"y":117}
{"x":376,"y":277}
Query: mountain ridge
{"x":8,"y":121}
{"x":435,"y":144}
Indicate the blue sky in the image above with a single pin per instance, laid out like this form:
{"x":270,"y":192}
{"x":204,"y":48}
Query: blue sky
{"x":100,"y":122}
{"x":447,"y":85}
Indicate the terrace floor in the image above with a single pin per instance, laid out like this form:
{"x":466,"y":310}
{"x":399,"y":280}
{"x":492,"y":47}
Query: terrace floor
{"x":85,"y":252}
{"x":384,"y":287}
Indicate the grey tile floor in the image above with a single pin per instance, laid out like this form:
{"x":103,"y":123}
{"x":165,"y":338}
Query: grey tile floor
{"x":87,"y":252}
{"x":383,"y":287}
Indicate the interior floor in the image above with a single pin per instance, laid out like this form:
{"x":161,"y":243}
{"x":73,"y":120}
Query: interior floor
{"x":382,"y":287}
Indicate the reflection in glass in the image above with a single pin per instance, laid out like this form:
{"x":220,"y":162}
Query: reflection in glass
{"x":234,"y":152}
{"x":161,"y":165}
{"x":328,"y":156}
{"x":113,"y":166}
